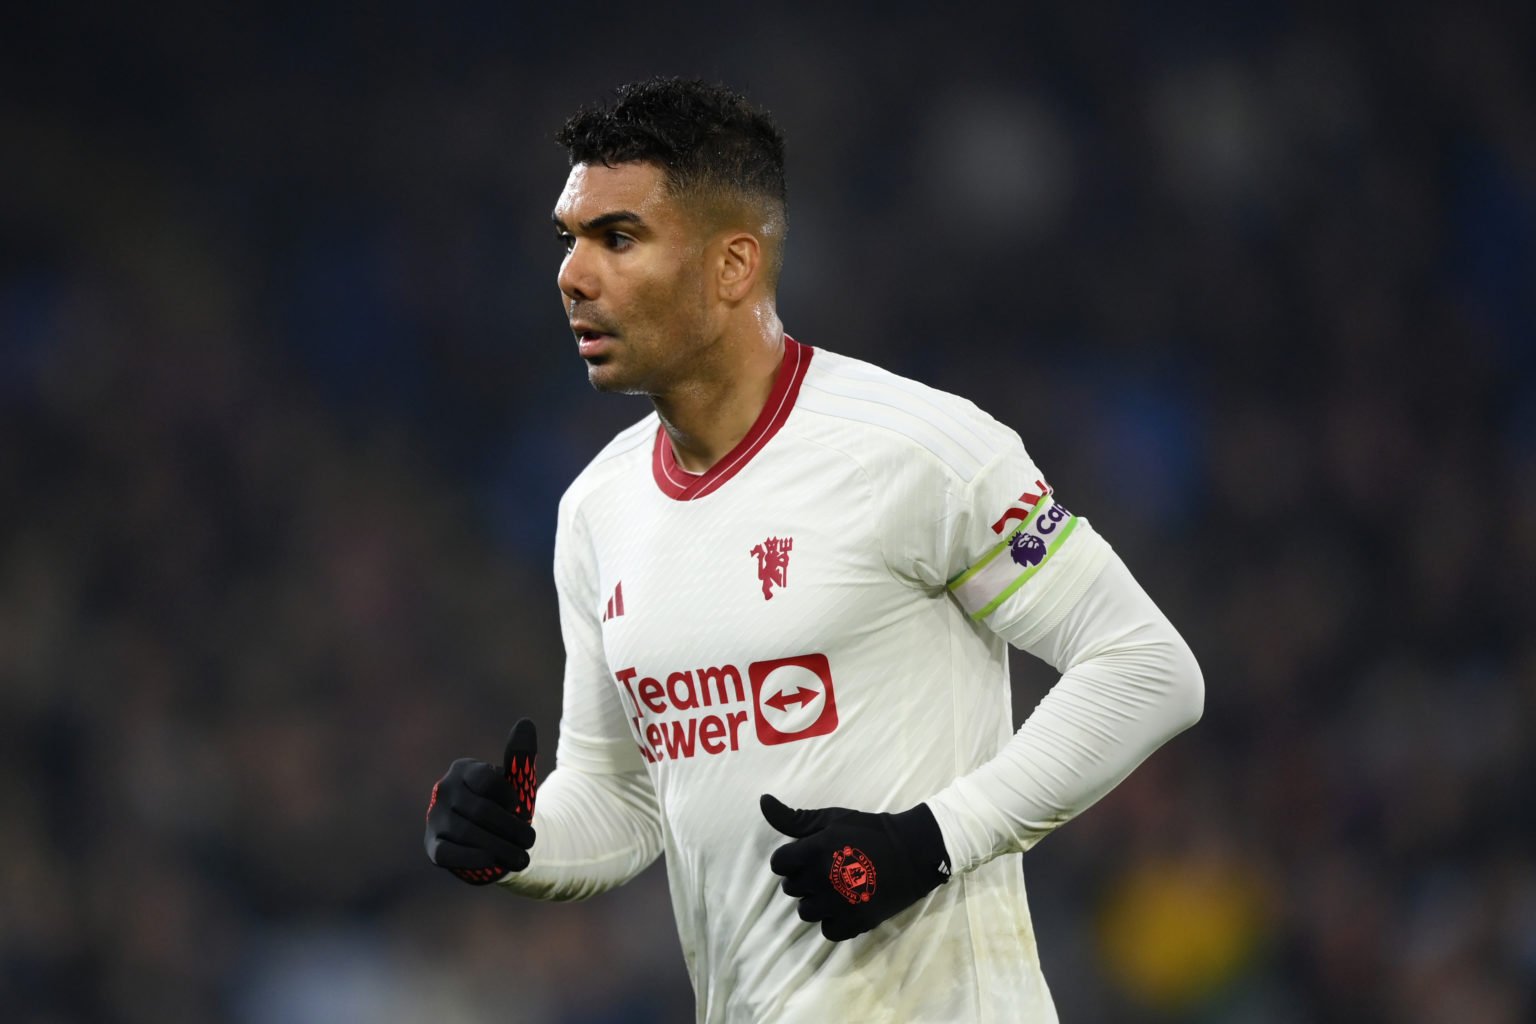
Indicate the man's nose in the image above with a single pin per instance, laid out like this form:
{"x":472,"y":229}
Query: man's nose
{"x":576,"y":279}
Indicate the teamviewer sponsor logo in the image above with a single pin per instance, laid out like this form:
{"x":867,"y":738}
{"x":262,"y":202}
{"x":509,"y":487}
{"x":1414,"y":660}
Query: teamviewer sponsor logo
{"x":793,"y":698}
{"x":702,"y":711}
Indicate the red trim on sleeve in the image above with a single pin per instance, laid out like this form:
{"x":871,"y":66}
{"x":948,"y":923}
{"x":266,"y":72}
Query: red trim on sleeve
{"x":677,"y":482}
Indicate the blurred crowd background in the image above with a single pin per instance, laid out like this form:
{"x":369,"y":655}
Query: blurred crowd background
{"x":287,"y":401}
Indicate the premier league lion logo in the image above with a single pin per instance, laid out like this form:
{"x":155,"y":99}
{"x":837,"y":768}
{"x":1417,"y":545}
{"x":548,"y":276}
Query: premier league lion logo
{"x":1026,"y":548}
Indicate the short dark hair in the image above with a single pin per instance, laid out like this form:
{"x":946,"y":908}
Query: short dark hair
{"x":707,"y":139}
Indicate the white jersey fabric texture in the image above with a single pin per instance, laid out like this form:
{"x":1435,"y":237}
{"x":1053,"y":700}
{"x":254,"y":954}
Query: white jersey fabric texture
{"x":824,"y":616}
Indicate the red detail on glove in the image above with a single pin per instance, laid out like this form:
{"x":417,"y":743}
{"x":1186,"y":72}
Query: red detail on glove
{"x":853,"y":875}
{"x":523,"y":774}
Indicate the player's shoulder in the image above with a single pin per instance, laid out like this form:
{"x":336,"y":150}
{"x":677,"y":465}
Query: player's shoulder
{"x":873,"y":407}
{"x":611,"y":462}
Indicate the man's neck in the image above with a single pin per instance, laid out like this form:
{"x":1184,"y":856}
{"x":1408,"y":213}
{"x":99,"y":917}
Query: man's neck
{"x":709,"y":416}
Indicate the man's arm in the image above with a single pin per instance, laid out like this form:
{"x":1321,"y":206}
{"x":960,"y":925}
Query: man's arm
{"x":1042,"y":578}
{"x":597,"y":820}
{"x":1129,"y":684}
{"x":595,"y":831}
{"x":584,"y":833}
{"x":1020,"y":564}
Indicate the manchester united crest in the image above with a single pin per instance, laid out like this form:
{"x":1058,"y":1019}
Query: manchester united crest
{"x":773,"y":563}
{"x":853,"y":874}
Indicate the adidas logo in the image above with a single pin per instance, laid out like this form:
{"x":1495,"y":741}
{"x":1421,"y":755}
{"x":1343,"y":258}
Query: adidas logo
{"x":615,"y":603}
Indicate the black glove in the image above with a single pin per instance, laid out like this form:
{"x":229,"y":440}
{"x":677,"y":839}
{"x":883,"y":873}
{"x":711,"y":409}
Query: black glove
{"x":478,"y":817}
{"x":850,"y":870}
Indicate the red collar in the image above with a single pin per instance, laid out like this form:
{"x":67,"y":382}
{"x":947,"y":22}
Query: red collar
{"x":677,"y":482}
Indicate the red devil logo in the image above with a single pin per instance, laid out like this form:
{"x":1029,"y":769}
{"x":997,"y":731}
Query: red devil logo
{"x":773,"y":563}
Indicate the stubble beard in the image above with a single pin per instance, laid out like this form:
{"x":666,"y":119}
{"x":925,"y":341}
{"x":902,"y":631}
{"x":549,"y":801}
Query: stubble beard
{"x":656,"y":378}
{"x":675,"y":323}
{"x":614,"y":386}
{"x":607,"y":376}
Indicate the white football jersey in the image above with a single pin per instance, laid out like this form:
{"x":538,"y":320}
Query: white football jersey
{"x":821,"y":616}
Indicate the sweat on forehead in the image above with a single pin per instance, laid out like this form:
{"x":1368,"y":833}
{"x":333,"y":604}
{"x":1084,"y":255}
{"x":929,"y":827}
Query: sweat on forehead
{"x":597,"y":195}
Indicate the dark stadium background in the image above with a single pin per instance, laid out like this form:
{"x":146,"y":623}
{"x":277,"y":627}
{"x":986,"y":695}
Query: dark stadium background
{"x":286,"y":403}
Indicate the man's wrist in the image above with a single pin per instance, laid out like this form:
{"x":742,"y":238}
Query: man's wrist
{"x":919,"y":832}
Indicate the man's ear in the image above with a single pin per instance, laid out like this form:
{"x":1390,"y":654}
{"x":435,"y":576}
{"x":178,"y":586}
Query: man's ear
{"x":741,"y":263}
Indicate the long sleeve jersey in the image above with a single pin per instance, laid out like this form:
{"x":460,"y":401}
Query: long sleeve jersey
{"x":824,"y":615}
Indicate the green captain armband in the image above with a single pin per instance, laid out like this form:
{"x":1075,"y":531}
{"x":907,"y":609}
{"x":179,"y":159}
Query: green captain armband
{"x":1014,"y":560}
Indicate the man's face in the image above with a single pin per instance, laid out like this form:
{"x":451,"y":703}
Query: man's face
{"x":632,"y":279}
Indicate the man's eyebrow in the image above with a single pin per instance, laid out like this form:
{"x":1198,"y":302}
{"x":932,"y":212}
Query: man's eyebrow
{"x":606,"y":220}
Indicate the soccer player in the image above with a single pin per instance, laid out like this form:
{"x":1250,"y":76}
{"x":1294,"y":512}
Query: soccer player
{"x":792,"y":586}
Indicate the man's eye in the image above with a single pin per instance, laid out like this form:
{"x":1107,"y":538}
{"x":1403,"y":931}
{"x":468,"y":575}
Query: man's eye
{"x":566,"y":240}
{"x":619,"y":240}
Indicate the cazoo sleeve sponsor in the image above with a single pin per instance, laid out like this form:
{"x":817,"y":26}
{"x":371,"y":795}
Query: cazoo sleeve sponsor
{"x":704,"y":711}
